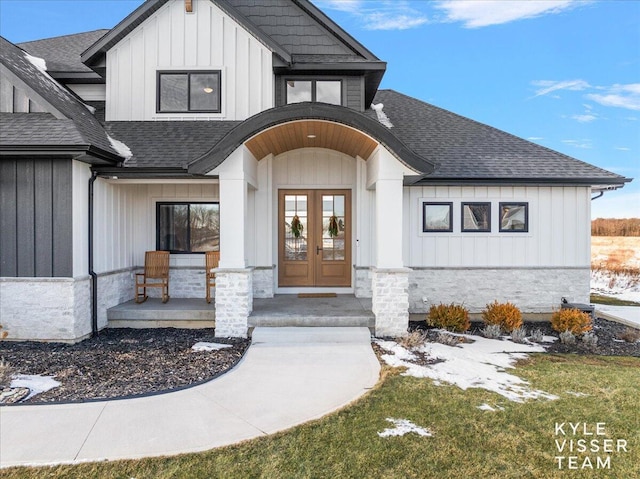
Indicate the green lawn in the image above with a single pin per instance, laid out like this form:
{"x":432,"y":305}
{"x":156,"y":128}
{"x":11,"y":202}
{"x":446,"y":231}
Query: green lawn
{"x":600,"y":299}
{"x":517,"y":442}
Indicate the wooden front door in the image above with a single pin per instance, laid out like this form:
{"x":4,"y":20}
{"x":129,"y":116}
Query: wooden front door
{"x":314,"y":238}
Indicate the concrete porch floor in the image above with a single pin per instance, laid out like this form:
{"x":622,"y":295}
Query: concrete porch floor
{"x":344,"y":310}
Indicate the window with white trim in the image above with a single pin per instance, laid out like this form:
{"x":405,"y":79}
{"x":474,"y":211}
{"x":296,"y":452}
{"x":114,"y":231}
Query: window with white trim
{"x":189,"y":92}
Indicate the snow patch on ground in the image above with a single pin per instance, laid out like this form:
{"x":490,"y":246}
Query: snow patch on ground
{"x":487,"y":407}
{"x":202,"y":346}
{"x":402,"y":427}
{"x":577,"y":394}
{"x":122,"y":149}
{"x":37,"y":384}
{"x":621,"y":286}
{"x":482,"y":363}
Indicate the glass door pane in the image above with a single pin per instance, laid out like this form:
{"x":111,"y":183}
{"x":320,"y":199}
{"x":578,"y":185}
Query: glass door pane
{"x":296,"y":229}
{"x":333,"y":227}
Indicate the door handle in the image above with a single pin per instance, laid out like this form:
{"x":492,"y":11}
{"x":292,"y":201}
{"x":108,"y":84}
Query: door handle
{"x":318,"y":249}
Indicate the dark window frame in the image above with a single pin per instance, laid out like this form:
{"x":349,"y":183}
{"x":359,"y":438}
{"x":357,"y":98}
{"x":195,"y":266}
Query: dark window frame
{"x":424,"y":216}
{"x":526,"y":216}
{"x":313,"y":81}
{"x":475,"y":203}
{"x":159,"y":204}
{"x":159,"y":73}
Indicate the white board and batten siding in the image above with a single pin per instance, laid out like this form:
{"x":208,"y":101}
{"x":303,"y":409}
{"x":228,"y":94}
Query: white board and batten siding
{"x":558,"y":236}
{"x":172,"y":39}
{"x":125,"y":220}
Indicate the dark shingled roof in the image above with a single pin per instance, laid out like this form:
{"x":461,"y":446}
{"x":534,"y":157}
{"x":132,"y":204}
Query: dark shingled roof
{"x":466,"y":149}
{"x":94,"y":136}
{"x":168,"y":144}
{"x":462,"y":149}
{"x":37,"y":129}
{"x":291,"y":27}
{"x":62,"y":54}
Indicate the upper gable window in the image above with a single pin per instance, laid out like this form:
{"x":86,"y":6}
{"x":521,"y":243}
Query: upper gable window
{"x":325,"y":91}
{"x":189,"y":92}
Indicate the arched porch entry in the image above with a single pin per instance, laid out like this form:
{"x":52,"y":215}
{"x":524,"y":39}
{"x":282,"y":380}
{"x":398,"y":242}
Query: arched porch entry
{"x":300,"y":187}
{"x":313,"y":166}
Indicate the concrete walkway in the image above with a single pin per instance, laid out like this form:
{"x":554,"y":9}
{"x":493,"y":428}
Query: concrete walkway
{"x":287,"y":377}
{"x":627,"y":315}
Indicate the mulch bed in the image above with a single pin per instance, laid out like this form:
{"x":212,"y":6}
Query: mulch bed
{"x":130,"y":362}
{"x":609,"y":338}
{"x":123,"y":362}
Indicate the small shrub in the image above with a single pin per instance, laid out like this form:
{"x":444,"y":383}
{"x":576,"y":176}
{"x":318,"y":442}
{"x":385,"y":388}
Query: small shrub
{"x":519,"y":335}
{"x":506,"y":315}
{"x":412,"y":340}
{"x":492,"y":331}
{"x":572,"y":320}
{"x":5,"y":374}
{"x":451,"y":317}
{"x":3,"y":334}
{"x":568,"y":338}
{"x":536,"y":336}
{"x":448,"y":339}
{"x":630,"y":335}
{"x":590,"y":340}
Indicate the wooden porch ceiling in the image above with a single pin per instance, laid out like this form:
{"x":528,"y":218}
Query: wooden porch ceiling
{"x":311,"y":133}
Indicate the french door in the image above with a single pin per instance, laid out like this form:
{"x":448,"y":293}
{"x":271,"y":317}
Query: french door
{"x":314,"y":238}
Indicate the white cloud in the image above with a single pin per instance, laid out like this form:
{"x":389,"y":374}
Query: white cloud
{"x":586,"y":118}
{"x":379,"y":14}
{"x":482,"y":13}
{"x":383,"y":21}
{"x":549,"y":86}
{"x":622,"y":148}
{"x":584,"y":143}
{"x":620,"y":96}
{"x":535,"y":138}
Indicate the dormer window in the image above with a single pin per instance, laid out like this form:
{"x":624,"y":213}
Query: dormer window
{"x":189,"y":92}
{"x":325,"y":91}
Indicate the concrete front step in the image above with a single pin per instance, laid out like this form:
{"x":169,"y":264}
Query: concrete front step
{"x":282,"y":321}
{"x":311,"y":335}
{"x":176,"y":313}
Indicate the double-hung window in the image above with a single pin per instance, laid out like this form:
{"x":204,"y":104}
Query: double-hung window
{"x":189,"y":92}
{"x":188,"y":227}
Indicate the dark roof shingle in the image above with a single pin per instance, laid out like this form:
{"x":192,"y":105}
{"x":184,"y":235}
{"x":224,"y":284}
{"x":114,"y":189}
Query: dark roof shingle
{"x":16,"y":61}
{"x":466,"y":149}
{"x":62,"y":54}
{"x":168,"y":144}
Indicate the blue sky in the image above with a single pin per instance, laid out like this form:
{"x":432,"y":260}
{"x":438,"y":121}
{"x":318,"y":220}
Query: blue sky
{"x":562,"y":73}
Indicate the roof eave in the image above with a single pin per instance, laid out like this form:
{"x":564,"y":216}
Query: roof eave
{"x":146,"y":173}
{"x":609,"y":183}
{"x":87,"y":153}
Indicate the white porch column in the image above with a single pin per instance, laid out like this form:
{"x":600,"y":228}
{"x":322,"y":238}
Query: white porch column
{"x":389,"y":278}
{"x":234,"y":290}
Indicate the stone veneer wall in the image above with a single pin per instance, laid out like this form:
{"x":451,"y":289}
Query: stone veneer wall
{"x":114,"y":288}
{"x":234,"y":302}
{"x":46,"y":309}
{"x":184,"y":282}
{"x":263,"y":282}
{"x":390,"y":301}
{"x":363,"y":282}
{"x":533,"y":290}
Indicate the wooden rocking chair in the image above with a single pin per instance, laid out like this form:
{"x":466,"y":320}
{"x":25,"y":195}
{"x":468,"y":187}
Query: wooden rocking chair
{"x":212,"y":259}
{"x":156,"y":267}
